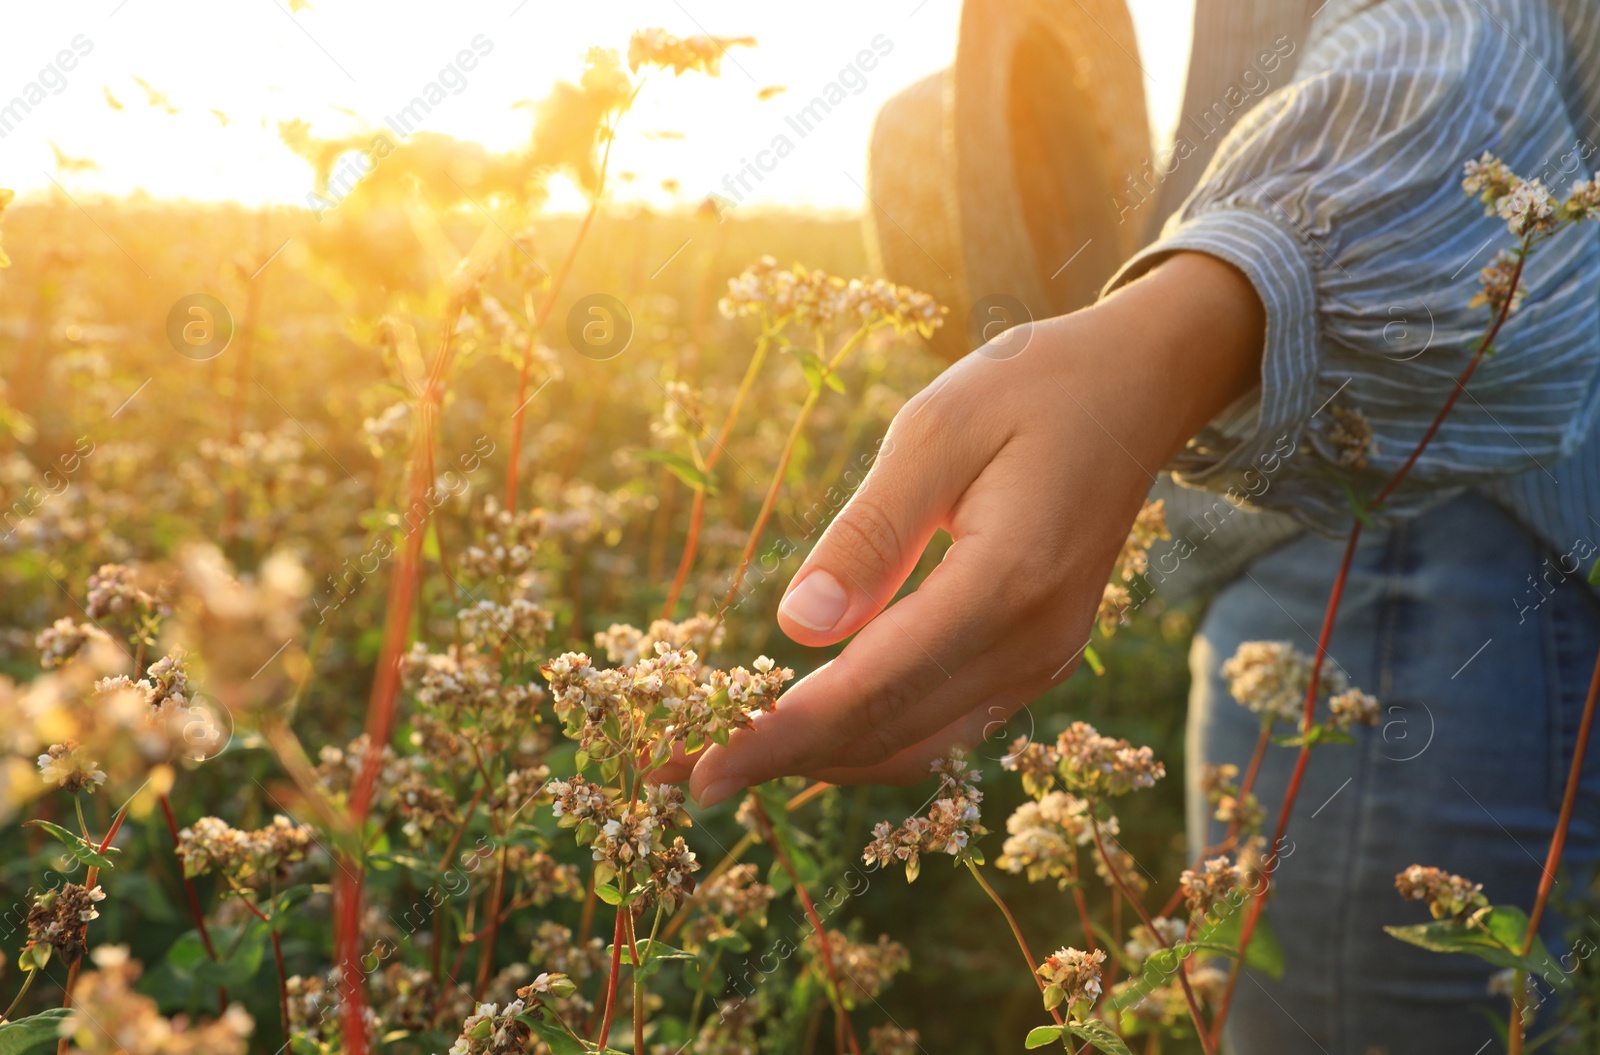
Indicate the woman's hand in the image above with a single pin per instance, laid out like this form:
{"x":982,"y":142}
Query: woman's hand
{"x":1034,"y":453}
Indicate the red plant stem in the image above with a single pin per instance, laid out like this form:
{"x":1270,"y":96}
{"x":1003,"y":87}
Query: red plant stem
{"x":1558,"y":843}
{"x":1083,"y":917}
{"x":697,"y":512}
{"x":611,"y":982}
{"x":381,"y":705}
{"x":1291,"y":793}
{"x":1206,"y":1044}
{"x":192,"y":897}
{"x":1016,"y":931}
{"x":816,"y":921}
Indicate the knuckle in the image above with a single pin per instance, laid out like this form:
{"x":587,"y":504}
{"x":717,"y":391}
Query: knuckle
{"x":865,"y":535}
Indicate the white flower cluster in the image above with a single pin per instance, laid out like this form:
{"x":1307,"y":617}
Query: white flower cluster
{"x":249,"y":859}
{"x":1072,"y":977}
{"x":1269,"y":678}
{"x":664,"y":699}
{"x":1043,"y":837}
{"x":950,"y":824}
{"x":814,"y":298}
{"x":66,"y":766}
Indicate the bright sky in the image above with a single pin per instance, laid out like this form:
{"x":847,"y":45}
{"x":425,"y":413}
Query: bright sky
{"x":343,"y":66}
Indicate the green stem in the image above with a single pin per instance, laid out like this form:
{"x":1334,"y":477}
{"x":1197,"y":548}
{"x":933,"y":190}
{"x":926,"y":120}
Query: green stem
{"x":27,"y":983}
{"x":1016,"y":931}
{"x":776,"y":485}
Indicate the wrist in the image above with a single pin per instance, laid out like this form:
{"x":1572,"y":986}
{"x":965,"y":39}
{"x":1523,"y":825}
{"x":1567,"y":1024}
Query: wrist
{"x":1165,"y":354}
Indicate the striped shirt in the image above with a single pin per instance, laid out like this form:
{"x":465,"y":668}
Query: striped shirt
{"x":1338,"y":193}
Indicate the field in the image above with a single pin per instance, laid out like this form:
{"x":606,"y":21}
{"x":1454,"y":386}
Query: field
{"x":280,"y":448}
{"x":362,"y":563}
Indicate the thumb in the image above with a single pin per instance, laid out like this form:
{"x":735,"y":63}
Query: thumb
{"x":865,"y":555}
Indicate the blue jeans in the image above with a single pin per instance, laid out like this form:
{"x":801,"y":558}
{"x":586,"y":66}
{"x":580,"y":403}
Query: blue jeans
{"x":1482,"y":687}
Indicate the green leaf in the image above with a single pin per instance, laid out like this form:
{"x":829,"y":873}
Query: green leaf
{"x":681,"y":466}
{"x":27,"y":1033}
{"x":1091,"y":657}
{"x":1494,"y":935}
{"x":816,"y":371}
{"x":192,"y":966}
{"x":1264,"y":955}
{"x":556,"y":1039}
{"x":1319,"y":734}
{"x":1594,"y":574}
{"x":84,"y":851}
{"x":1039,"y":1036}
{"x":650,"y":951}
{"x":609,"y":894}
{"x":1102,"y":1036}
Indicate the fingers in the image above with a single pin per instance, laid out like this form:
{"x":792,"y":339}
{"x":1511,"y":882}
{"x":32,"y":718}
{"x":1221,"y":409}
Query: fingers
{"x":874,"y":702}
{"x":989,"y":728}
{"x":865,"y":555}
{"x":852,"y":709}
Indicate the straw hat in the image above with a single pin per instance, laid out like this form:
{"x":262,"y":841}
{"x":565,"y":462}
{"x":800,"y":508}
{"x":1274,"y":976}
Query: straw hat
{"x":995,"y":178}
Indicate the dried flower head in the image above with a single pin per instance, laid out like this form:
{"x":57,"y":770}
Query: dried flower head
{"x":1448,"y":896}
{"x":665,"y":699}
{"x":1583,"y":201}
{"x":1216,"y":879}
{"x":58,"y":922}
{"x":1354,"y":707}
{"x":1035,"y":762}
{"x":657,"y":47}
{"x":1496,"y":279}
{"x":1351,"y":436}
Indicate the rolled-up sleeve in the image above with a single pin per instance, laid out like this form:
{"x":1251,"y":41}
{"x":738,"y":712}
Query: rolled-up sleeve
{"x":1340,"y":198}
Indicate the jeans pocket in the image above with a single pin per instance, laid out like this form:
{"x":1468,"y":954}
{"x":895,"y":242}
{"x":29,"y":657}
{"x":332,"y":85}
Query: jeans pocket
{"x":1572,"y":633}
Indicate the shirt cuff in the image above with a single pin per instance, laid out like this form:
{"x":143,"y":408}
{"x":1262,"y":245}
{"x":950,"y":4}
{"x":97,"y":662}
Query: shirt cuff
{"x":1257,"y":433}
